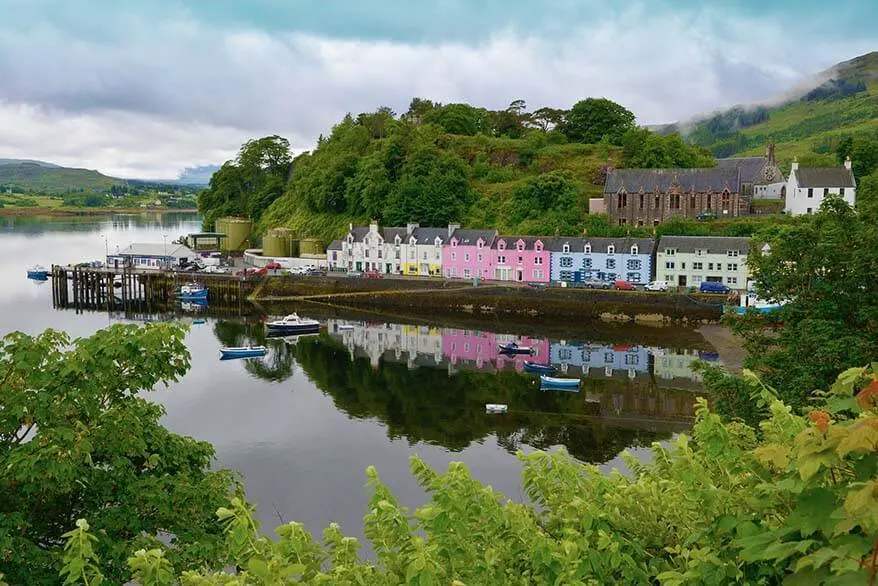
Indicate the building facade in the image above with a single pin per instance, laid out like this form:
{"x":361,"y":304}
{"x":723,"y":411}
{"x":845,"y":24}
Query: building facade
{"x":422,"y":250}
{"x":808,"y":187}
{"x":686,"y":261}
{"x":468,"y":254}
{"x":152,"y":256}
{"x":575,"y":260}
{"x":521,"y":259}
{"x":373,"y":249}
{"x":760,"y":177}
{"x":648,"y":197}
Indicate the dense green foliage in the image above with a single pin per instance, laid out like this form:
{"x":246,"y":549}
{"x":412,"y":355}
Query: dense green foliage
{"x":648,"y":150}
{"x":595,"y":119}
{"x":794,"y":501}
{"x":77,"y":439}
{"x":34,"y":178}
{"x":823,"y":267}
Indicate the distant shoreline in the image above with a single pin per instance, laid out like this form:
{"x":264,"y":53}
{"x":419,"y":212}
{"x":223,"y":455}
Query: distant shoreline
{"x":43,"y":211}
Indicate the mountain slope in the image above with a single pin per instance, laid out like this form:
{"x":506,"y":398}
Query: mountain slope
{"x":40,"y":177}
{"x":840,"y":102}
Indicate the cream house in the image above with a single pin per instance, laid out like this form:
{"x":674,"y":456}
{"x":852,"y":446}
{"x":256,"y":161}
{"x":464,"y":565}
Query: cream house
{"x":686,"y":261}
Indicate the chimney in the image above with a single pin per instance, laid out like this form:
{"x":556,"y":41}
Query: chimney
{"x":411,"y":227}
{"x":351,"y":226}
{"x":452,"y":228}
{"x":847,"y":163}
{"x":373,"y":226}
{"x":795,"y":164}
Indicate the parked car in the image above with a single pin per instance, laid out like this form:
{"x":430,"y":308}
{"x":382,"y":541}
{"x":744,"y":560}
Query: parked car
{"x":713,"y":287}
{"x":373,"y":275}
{"x":273,"y":266}
{"x":538,"y":285}
{"x":656,"y":286}
{"x":316,"y":272}
{"x":624,"y":286}
{"x":596,"y":284}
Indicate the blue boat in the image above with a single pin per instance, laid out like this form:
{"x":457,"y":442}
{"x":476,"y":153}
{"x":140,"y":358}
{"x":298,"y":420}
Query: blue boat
{"x":38,"y":273}
{"x":513,"y":348}
{"x":559,"y":384}
{"x":197,"y":321}
{"x":538,"y":368}
{"x":193,"y":292}
{"x":242,"y":352}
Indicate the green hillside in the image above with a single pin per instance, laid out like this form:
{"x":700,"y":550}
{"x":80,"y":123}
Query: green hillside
{"x":809,"y":127}
{"x":34,"y":177}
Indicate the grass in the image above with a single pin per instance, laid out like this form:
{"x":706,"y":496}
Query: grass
{"x":29,"y":177}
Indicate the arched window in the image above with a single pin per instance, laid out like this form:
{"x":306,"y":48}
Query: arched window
{"x":726,"y":200}
{"x":611,"y":249}
{"x":566,"y":248}
{"x":587,"y":249}
{"x":634,"y":249}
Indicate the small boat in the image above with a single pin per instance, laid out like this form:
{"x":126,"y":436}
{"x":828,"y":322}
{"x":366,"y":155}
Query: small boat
{"x":565,"y":384}
{"x":193,"y":291}
{"x":495,"y":408}
{"x":293,"y":324}
{"x":537,"y":368}
{"x":513,"y":348}
{"x":344,"y":327}
{"x":242,"y":352}
{"x":117,"y":282}
{"x":38,"y":273}
{"x":198,"y":321}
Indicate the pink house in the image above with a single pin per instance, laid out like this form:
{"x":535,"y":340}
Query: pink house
{"x":468,"y":254}
{"x":481,"y":349}
{"x":521,"y":258}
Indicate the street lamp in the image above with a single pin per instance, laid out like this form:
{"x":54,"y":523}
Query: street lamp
{"x":165,"y":240}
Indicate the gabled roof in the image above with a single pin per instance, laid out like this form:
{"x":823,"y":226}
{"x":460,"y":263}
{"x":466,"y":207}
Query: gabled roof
{"x":825,"y":177}
{"x":429,"y":235}
{"x":712,"y":244}
{"x":157,"y":249}
{"x":470,"y":237}
{"x":358,"y":232}
{"x":390,"y":234}
{"x":529,"y":241}
{"x":651,"y":180}
{"x":750,"y":168}
{"x":334,"y":245}
{"x":600,"y":245}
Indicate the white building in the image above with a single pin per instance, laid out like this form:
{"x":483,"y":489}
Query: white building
{"x":422,"y":250}
{"x":808,"y":187}
{"x":373,"y":249}
{"x":152,"y":256}
{"x":686,"y":261}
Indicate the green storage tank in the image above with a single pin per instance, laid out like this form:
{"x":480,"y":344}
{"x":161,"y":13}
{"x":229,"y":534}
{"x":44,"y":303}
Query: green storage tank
{"x":277,"y":242}
{"x":312,"y":246}
{"x":237,"y":231}
{"x":294,"y":247}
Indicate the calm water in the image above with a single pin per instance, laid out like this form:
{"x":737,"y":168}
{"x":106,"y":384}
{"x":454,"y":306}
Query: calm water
{"x":302,"y":424}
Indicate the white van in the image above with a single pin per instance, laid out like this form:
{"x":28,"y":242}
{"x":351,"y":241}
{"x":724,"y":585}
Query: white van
{"x":656,"y":286}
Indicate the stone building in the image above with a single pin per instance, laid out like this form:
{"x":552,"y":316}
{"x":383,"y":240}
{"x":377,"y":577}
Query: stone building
{"x":761,"y":178}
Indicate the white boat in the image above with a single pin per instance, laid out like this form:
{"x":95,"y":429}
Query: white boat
{"x":293,"y":324}
{"x":344,"y":327}
{"x":495,"y":408}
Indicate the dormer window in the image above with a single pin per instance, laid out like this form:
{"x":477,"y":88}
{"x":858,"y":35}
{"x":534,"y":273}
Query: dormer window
{"x":519,"y":245}
{"x":453,"y":243}
{"x":588,"y":249}
{"x":538,"y":246}
{"x":501,"y":245}
{"x":611,"y":249}
{"x":397,"y":240}
{"x":480,"y":244}
{"x":566,"y":248}
{"x":634,"y":250}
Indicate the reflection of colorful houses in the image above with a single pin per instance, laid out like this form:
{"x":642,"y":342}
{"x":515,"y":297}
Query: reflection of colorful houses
{"x":480,"y":349}
{"x":601,"y":361}
{"x":399,"y":343}
{"x":676,"y":365}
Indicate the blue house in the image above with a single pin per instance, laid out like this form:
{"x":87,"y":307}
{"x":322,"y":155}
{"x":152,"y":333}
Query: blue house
{"x":575,"y":260}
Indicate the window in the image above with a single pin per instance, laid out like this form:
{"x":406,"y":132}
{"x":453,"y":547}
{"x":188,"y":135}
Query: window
{"x":731,"y":280}
{"x":479,"y":257}
{"x":634,"y":264}
{"x":710,"y":266}
{"x":611,"y":249}
{"x":732,"y":267}
{"x":696,"y":279}
{"x":825,"y":191}
{"x":658,"y":201}
{"x":697,"y":266}
{"x":379,"y":253}
{"x":608,"y":357}
{"x":566,"y":248}
{"x":412,"y":254}
{"x":707,"y":200}
{"x":538,"y":246}
{"x":424,"y":255}
{"x":675,"y":201}
{"x":466,"y":274}
{"x":520,"y":260}
{"x":501,"y":260}
{"x":670,"y":251}
{"x":655,"y":222}
{"x":587,"y":249}
{"x":479,"y":244}
{"x":538,"y":274}
{"x":453,"y":256}
{"x":622,"y":221}
{"x":633,"y":277}
{"x":565,"y":354}
{"x":367,"y":253}
{"x":454,"y":243}
{"x":565,"y":262}
{"x":622,"y":201}
{"x":586,"y":263}
{"x":519,"y":246}
{"x":669,"y":265}
{"x":397,"y":255}
{"x":641,"y":201}
{"x":733,"y":253}
{"x":669,"y":278}
{"x":841,"y":192}
{"x":632,"y":359}
{"x":634,"y":249}
{"x":810,"y":192}
{"x":809,"y":210}
{"x":466,"y":257}
{"x":566,"y":275}
{"x":640,"y":222}
{"x":692,"y":202}
{"x":683,"y":266}
{"x":726,"y":201}
{"x":611,"y":263}
{"x":538,"y":260}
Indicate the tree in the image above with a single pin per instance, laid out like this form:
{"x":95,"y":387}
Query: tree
{"x":550,"y":200}
{"x":792,"y":501}
{"x":547,"y":118}
{"x":644,"y":149}
{"x":592,"y":119}
{"x":458,"y":118}
{"x":78,"y":439}
{"x":418,"y":108}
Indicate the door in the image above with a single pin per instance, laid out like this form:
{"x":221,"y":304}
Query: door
{"x":519,"y":274}
{"x":388,"y":268}
{"x":681,"y":280}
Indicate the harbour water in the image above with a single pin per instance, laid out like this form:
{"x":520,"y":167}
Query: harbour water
{"x":302,"y":424}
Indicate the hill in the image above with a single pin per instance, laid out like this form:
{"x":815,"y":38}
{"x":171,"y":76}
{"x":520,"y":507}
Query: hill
{"x":809,"y":123}
{"x":37,"y":177}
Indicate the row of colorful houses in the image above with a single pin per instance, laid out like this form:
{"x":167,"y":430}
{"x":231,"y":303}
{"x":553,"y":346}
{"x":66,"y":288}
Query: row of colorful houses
{"x":457,"y":253}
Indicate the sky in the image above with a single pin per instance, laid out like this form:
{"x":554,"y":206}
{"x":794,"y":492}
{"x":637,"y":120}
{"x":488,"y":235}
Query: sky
{"x":145,"y":88}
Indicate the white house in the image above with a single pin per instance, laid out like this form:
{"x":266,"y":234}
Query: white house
{"x":422,"y":249}
{"x":152,"y":256}
{"x":686,"y":261}
{"x":808,"y":187}
{"x":373,"y":249}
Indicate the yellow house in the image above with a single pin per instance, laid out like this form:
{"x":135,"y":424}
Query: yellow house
{"x":422,"y":252}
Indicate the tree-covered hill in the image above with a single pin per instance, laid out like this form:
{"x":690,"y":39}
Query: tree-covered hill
{"x":34,"y":177}
{"x":843,"y":105}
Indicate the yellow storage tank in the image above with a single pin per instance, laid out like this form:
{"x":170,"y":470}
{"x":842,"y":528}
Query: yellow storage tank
{"x":311,"y":246}
{"x":277,"y":242}
{"x":294,"y":247}
{"x":237,"y":231}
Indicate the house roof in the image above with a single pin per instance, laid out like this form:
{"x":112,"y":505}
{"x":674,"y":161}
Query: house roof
{"x":358,"y":232}
{"x":750,"y":167}
{"x":156,"y":249}
{"x":529,"y":241}
{"x":825,"y":177}
{"x":600,"y":245}
{"x":389,"y":234}
{"x":470,"y":237}
{"x":652,"y":180}
{"x":429,"y":235}
{"x":712,"y":244}
{"x":334,"y":245}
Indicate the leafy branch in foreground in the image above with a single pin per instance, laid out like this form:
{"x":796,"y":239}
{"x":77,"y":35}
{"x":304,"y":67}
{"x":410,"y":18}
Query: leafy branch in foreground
{"x":795,"y":501}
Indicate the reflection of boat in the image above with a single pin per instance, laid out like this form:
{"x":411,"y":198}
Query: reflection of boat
{"x":290,"y":338}
{"x":242,"y":352}
{"x":117,"y":282}
{"x":193,"y":304}
{"x":344,"y":327}
{"x":513,"y":348}
{"x":193,"y":291}
{"x":561,"y":384}
{"x":38,"y":273}
{"x":538,"y":368}
{"x":293,"y":324}
{"x":198,"y":321}
{"x":495,"y":408}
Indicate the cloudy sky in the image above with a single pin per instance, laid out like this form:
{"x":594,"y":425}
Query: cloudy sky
{"x":144,"y":88}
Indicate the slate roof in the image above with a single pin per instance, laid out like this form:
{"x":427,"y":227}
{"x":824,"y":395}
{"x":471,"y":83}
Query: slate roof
{"x":712,"y":244}
{"x":750,"y":167}
{"x":651,"y":180}
{"x":599,"y":245}
{"x":159,"y":249}
{"x":390,"y":234}
{"x":470,"y":237}
{"x":529,"y":241}
{"x":334,"y":245}
{"x":825,"y":177}
{"x":429,"y":235}
{"x":359,"y":232}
